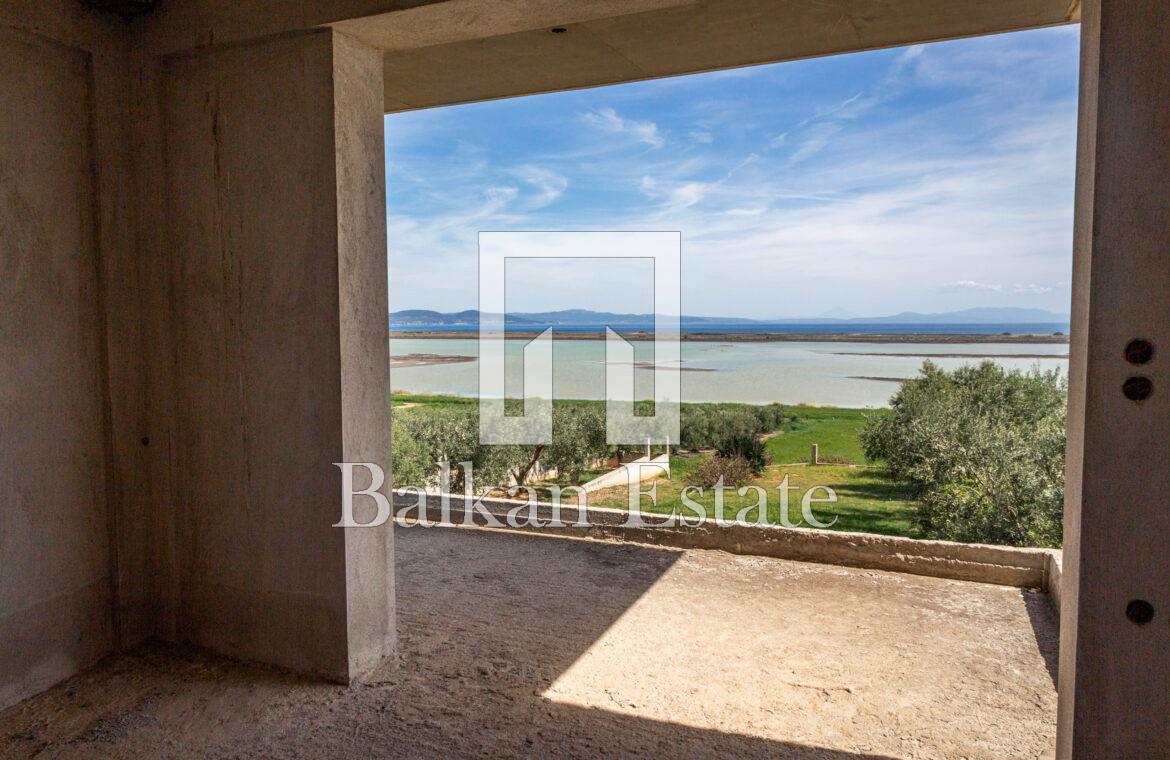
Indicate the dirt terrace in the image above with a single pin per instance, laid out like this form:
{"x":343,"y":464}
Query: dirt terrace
{"x":518,"y":645}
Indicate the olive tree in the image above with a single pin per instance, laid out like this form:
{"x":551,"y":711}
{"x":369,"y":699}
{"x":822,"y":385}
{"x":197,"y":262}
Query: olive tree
{"x":984,"y":449}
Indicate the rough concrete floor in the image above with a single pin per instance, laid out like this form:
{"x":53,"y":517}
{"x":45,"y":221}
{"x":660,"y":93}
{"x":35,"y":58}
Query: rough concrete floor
{"x":523,"y":645}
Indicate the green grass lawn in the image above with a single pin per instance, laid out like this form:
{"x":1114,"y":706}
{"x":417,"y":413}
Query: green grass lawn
{"x":867,"y":501}
{"x":428,"y":399}
{"x":833,"y":429}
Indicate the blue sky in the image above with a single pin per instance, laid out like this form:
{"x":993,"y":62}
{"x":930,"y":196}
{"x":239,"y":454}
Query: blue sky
{"x":927,"y":178}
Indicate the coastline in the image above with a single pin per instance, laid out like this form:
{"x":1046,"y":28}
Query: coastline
{"x":734,"y":337}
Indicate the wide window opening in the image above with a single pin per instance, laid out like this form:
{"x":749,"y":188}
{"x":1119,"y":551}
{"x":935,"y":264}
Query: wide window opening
{"x":874,"y":288}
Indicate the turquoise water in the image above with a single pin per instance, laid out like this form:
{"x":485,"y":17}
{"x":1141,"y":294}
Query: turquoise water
{"x":790,"y":373}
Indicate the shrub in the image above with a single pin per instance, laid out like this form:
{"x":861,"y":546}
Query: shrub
{"x":734,"y":471}
{"x":703,"y":425}
{"x":984,"y":449}
{"x":745,"y":446}
{"x":427,"y":434}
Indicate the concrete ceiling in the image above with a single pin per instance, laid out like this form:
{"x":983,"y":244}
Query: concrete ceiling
{"x":468,"y":50}
{"x":124,"y":8}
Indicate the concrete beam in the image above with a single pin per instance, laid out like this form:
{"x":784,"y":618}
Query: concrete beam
{"x":673,"y":38}
{"x":431,"y":46}
{"x":1113,"y":661}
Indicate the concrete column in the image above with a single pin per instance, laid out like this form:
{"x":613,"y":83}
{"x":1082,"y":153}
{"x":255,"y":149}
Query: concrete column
{"x":1115,"y":617}
{"x":276,"y":232}
{"x":55,"y":511}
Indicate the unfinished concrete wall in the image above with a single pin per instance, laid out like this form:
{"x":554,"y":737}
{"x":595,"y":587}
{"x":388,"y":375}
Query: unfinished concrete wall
{"x":1116,"y":599}
{"x":56,"y":521}
{"x":274,"y":188}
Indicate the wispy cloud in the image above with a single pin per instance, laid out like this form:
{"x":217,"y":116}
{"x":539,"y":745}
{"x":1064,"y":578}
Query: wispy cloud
{"x":972,"y":285}
{"x":815,"y":138}
{"x":608,"y":121}
{"x":548,"y":184}
{"x":1019,"y":288}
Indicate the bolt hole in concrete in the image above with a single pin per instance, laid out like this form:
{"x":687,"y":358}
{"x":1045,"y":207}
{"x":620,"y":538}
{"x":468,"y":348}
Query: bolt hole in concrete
{"x":1139,"y":351}
{"x":1137,"y":388}
{"x":1139,"y":611}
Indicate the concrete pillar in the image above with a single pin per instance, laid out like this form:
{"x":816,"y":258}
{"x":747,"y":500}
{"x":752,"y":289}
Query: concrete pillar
{"x":276,"y":232}
{"x":55,"y":490}
{"x":1115,"y":616}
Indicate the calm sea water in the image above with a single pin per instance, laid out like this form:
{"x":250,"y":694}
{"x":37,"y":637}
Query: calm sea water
{"x":791,"y":373}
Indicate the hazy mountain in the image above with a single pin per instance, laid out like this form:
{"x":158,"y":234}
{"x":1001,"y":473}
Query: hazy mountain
{"x":996,"y":315}
{"x":837,"y":313}
{"x":991,"y":315}
{"x":470,"y":317}
{"x":422,"y":317}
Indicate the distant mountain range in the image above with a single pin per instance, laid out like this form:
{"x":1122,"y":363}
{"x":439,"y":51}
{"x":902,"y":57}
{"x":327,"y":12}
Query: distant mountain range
{"x":978,"y":316}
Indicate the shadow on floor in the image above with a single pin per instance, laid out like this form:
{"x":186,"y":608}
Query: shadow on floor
{"x":1045,"y":622}
{"x":488,"y":621}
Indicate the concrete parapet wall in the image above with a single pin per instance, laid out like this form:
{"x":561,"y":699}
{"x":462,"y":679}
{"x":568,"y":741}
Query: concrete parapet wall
{"x":1003,"y":565}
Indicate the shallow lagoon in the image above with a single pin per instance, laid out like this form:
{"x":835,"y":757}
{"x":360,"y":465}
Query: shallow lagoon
{"x":831,"y":374}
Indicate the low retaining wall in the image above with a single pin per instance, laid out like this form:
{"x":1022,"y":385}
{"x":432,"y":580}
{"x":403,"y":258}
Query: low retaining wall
{"x":647,"y":469}
{"x":1003,"y":565}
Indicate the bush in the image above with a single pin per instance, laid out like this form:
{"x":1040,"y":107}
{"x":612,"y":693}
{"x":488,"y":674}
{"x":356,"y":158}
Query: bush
{"x":984,"y":449}
{"x":745,"y":446}
{"x":703,"y":425}
{"x":735,"y":471}
{"x":427,"y":434}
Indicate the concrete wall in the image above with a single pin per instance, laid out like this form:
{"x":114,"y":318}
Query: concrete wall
{"x":1114,"y":666}
{"x":624,"y":472}
{"x":57,"y":229}
{"x":280,"y":346}
{"x":1004,"y":565}
{"x":192,"y":272}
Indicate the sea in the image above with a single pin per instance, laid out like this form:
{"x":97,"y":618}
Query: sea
{"x":821,"y":373}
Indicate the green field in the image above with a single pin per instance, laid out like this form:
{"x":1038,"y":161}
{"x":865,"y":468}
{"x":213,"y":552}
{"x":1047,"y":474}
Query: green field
{"x":867,"y":501}
{"x":427,"y":399}
{"x":833,"y":429}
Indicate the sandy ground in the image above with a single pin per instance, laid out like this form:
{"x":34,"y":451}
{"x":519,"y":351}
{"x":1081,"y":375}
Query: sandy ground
{"x":519,"y":645}
{"x":426,"y":360}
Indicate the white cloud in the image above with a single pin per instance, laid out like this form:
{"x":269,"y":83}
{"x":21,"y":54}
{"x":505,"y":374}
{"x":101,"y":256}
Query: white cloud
{"x":675,"y":197}
{"x":608,"y":120}
{"x":816,"y":137}
{"x":973,"y":285}
{"x":548,"y":184}
{"x":1019,"y":288}
{"x":1031,"y":289}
